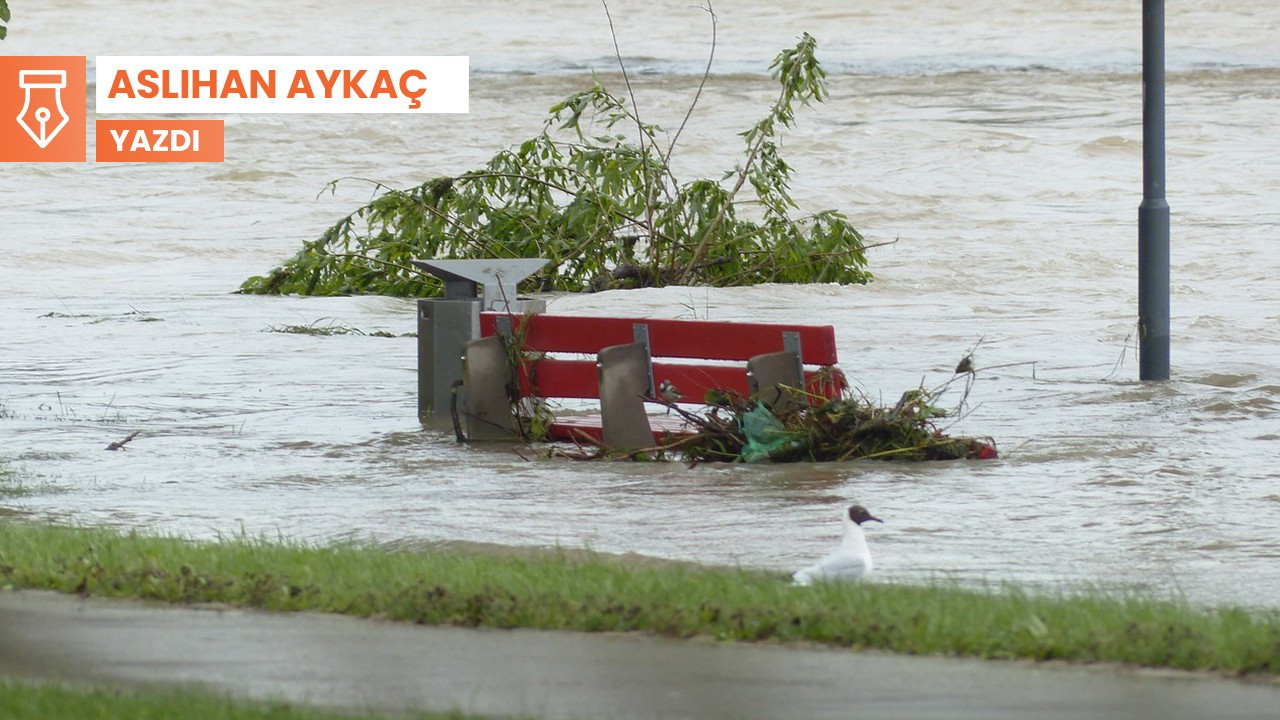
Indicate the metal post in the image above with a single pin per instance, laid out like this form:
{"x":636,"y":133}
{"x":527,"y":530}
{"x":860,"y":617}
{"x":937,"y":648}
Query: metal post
{"x":446,"y":325}
{"x":1153,"y":213}
{"x":444,"y":329}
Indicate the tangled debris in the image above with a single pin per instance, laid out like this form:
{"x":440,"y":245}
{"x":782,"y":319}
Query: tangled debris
{"x":119,"y":444}
{"x":738,"y":429}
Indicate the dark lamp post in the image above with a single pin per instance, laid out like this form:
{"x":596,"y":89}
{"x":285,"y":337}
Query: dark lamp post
{"x":1153,"y":213}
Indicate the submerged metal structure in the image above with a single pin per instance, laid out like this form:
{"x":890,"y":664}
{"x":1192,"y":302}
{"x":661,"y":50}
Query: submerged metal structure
{"x":447,"y":324}
{"x":1153,"y":213}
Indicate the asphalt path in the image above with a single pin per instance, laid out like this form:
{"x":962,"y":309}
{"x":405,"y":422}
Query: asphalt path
{"x":346,"y":662}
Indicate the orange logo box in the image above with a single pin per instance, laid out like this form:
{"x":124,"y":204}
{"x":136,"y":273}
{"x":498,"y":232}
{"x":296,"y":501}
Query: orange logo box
{"x":42,"y":108}
{"x":159,"y":140}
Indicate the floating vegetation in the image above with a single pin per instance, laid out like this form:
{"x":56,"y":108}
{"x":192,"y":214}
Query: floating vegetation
{"x":844,"y":428}
{"x":12,"y":484}
{"x":596,"y":193}
{"x":850,"y":427}
{"x":134,"y":314}
{"x":333,"y":327}
{"x":119,"y":444}
{"x":59,"y":411}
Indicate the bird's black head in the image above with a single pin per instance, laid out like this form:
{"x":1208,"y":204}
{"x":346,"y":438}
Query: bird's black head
{"x":859,"y":515}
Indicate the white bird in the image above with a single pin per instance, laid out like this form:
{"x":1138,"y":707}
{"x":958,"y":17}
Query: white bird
{"x":848,"y":562}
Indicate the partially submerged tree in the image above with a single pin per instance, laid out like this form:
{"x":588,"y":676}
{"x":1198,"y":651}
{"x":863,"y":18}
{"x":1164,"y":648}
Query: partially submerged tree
{"x":594,"y":193}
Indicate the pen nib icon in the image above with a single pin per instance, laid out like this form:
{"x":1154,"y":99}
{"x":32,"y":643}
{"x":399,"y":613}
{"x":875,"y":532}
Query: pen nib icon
{"x":42,"y":115}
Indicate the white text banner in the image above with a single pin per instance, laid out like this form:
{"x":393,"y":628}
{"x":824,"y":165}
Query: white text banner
{"x":212,"y":85}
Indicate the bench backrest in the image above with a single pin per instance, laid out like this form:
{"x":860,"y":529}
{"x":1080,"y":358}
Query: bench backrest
{"x":683,"y":339}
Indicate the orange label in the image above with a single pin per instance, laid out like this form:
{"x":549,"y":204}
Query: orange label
{"x":159,"y":140}
{"x":42,"y":108}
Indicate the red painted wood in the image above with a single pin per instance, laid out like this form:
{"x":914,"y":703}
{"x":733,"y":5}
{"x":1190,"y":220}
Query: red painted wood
{"x":573,"y":427}
{"x":702,"y":339}
{"x":553,"y":377}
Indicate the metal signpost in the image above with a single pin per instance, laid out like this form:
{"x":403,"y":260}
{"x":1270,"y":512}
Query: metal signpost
{"x":1153,"y":213}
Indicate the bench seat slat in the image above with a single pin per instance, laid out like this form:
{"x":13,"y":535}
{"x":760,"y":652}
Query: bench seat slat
{"x":572,"y":427}
{"x":577,"y":379}
{"x":670,"y":338}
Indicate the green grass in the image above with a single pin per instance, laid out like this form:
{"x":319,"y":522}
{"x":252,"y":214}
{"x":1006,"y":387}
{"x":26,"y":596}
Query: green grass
{"x":562,"y":590}
{"x":22,"y":701}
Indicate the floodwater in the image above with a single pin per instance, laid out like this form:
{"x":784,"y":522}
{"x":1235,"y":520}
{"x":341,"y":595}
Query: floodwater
{"x":998,"y":143}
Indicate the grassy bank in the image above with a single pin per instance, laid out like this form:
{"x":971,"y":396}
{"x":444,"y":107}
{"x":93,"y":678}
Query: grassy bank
{"x":589,"y":592}
{"x":21,"y":701}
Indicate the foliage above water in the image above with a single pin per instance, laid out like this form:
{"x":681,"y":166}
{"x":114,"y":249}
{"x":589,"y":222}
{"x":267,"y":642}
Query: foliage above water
{"x":594,"y":193}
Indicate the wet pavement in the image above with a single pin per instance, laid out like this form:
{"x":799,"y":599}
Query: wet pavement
{"x":345,"y":662}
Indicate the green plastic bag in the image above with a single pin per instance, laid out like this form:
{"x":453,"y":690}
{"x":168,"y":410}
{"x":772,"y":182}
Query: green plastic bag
{"x":766,"y":436}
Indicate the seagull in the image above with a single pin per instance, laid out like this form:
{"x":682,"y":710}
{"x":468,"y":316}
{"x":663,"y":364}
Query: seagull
{"x":851,"y":560}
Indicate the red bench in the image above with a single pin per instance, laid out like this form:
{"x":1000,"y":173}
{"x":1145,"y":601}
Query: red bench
{"x":632,"y":358}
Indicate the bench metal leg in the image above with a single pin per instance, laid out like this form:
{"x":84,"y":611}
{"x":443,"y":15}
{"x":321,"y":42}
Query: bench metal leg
{"x":624,"y":380}
{"x":487,"y":375}
{"x":766,"y":373}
